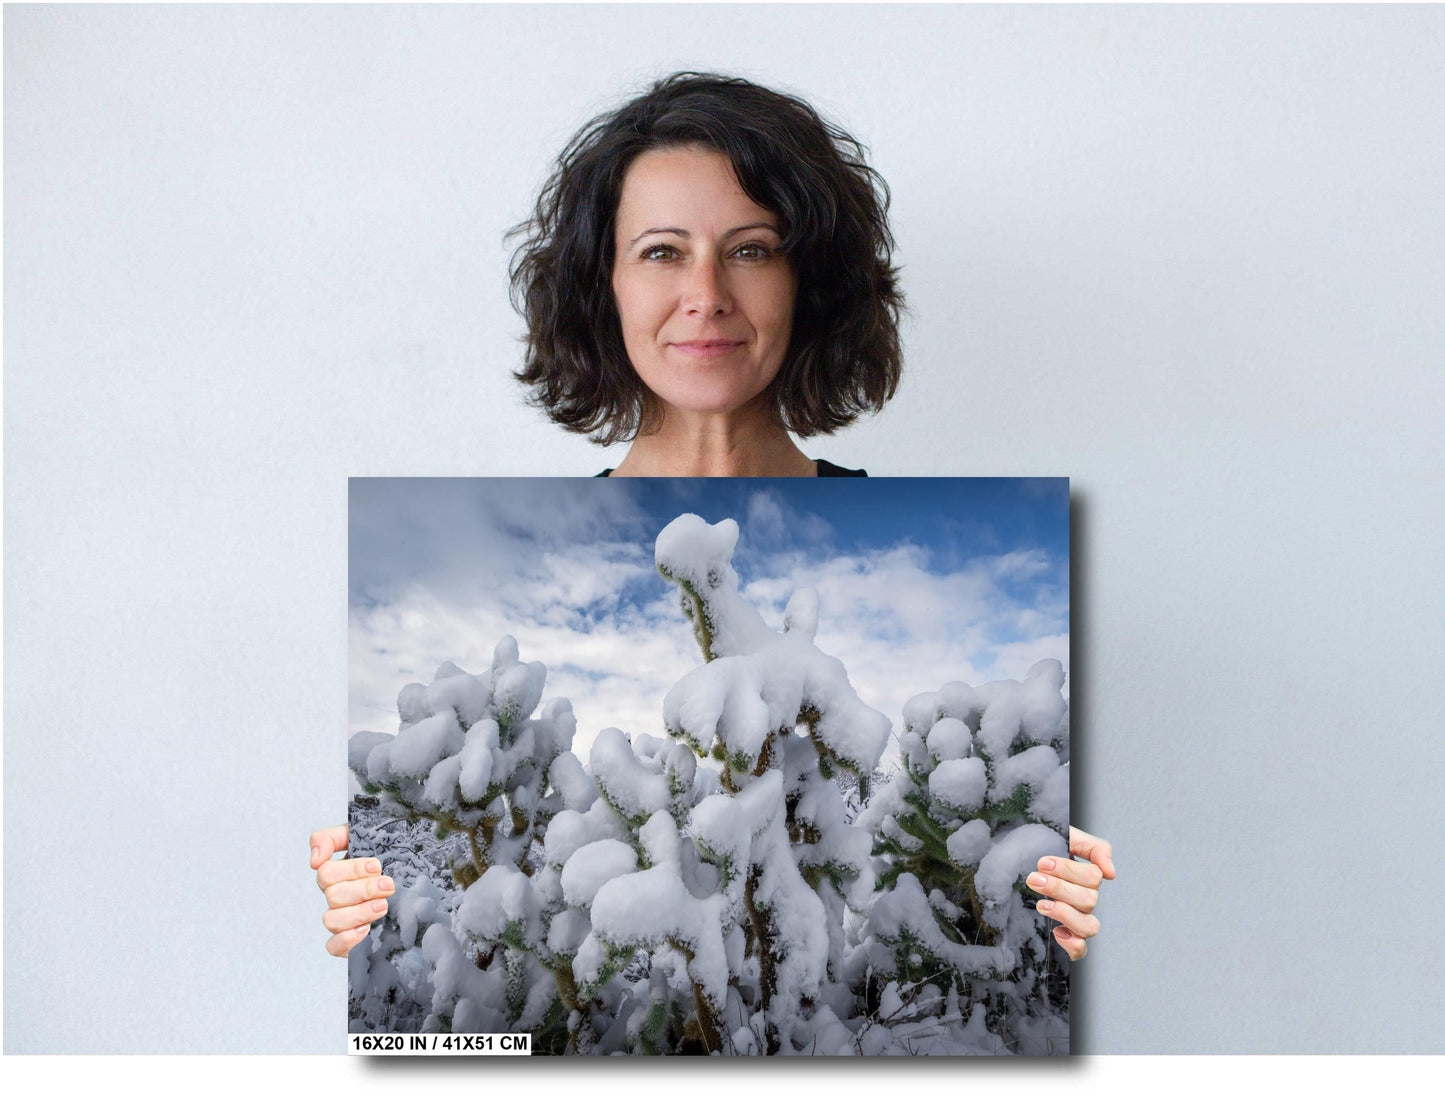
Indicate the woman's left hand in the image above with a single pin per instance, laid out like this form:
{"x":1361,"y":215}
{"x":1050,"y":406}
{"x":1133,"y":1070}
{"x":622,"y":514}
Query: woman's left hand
{"x":1071,"y":889}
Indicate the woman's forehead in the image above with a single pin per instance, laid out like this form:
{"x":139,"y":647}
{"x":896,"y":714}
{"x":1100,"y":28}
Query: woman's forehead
{"x":680,"y":188}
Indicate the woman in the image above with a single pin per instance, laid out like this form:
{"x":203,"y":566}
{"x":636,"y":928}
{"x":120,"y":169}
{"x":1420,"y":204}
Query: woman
{"x":707,"y":274}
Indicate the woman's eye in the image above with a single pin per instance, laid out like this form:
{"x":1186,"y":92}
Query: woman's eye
{"x":753,"y":251}
{"x":659,"y":253}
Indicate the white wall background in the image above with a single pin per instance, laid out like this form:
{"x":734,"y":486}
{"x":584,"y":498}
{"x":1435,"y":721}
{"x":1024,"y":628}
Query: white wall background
{"x":1192,"y":257}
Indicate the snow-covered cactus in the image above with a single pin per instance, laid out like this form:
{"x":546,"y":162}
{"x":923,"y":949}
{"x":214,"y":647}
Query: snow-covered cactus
{"x":390,"y":981}
{"x":757,"y":684}
{"x":634,"y":934}
{"x":743,"y":708}
{"x":982,"y":795}
{"x":732,"y":888}
{"x":468,"y":758}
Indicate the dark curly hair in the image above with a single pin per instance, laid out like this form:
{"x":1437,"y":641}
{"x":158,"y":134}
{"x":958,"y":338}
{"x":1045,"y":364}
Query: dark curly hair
{"x":844,"y":355}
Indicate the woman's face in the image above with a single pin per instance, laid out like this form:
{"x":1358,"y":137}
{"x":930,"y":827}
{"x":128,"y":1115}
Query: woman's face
{"x":706,"y":301}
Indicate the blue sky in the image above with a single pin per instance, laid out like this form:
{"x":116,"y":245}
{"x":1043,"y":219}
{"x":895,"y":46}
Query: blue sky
{"x":954,"y":518}
{"x":921,"y":581}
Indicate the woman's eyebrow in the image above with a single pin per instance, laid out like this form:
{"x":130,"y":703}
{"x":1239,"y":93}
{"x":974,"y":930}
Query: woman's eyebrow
{"x":682,"y":233}
{"x":752,"y":225}
{"x":660,"y":229}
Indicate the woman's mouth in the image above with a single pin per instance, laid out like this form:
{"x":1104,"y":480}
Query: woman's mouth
{"x":707,"y":348}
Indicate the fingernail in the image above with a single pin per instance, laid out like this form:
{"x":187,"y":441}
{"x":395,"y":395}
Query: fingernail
{"x":373,"y":867}
{"x":386,"y":884}
{"x":379,"y":906}
{"x":315,"y":852}
{"x":1038,"y":881}
{"x":1062,"y":932}
{"x":1046,"y":904}
{"x":1046,"y":864}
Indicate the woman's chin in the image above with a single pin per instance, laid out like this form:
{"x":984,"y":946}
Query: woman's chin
{"x":700,"y":402}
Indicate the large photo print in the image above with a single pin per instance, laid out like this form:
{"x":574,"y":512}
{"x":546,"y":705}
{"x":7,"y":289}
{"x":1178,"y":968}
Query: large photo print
{"x":729,"y":766}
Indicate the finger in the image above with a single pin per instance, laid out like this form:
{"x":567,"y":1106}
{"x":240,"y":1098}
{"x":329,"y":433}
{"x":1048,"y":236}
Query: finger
{"x":1093,"y":849}
{"x":1073,"y":870}
{"x":1072,"y":944}
{"x":1084,"y":925}
{"x":326,"y":842}
{"x":336,"y":870}
{"x":342,"y":943}
{"x":1082,"y":899}
{"x":349,"y":917}
{"x":350,"y":892}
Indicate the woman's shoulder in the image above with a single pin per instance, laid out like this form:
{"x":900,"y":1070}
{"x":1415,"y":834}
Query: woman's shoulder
{"x":832,"y":470}
{"x":825,"y":470}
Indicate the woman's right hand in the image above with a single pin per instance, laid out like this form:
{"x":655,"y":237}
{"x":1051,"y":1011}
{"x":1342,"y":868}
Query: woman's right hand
{"x":356,"y":890}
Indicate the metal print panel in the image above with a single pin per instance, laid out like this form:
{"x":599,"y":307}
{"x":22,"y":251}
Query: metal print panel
{"x":728,"y":766}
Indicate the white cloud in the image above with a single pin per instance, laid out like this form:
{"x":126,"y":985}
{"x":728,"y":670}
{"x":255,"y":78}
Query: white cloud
{"x":771,"y":522}
{"x":902,"y":628}
{"x":452,"y":533}
{"x":615,"y":673}
{"x":766,"y":522}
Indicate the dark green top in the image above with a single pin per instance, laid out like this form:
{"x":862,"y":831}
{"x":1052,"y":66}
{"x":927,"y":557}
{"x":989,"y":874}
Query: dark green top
{"x":825,"y":470}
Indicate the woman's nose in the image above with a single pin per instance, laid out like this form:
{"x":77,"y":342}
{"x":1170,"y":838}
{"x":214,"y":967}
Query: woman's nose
{"x":707,"y":290}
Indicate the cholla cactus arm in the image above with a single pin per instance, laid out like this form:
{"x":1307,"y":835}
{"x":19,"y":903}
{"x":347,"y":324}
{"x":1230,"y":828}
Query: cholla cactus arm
{"x":826,"y":846}
{"x":791,"y":927}
{"x":636,"y":785}
{"x":653,"y":908}
{"x":906,"y":914}
{"x":697,"y":557}
{"x":723,"y":835}
{"x":1009,"y":861}
{"x":627,"y":846}
{"x":466,"y":997}
{"x":757,"y":684}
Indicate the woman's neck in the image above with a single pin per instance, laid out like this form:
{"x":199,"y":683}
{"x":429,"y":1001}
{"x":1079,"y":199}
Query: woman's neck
{"x":735,"y":445}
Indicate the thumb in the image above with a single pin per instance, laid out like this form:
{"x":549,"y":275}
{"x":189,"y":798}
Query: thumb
{"x":1097,"y":851}
{"x":326,"y":842}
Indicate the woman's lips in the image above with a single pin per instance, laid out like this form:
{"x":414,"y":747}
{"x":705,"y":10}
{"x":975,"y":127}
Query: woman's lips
{"x":707,"y":348}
